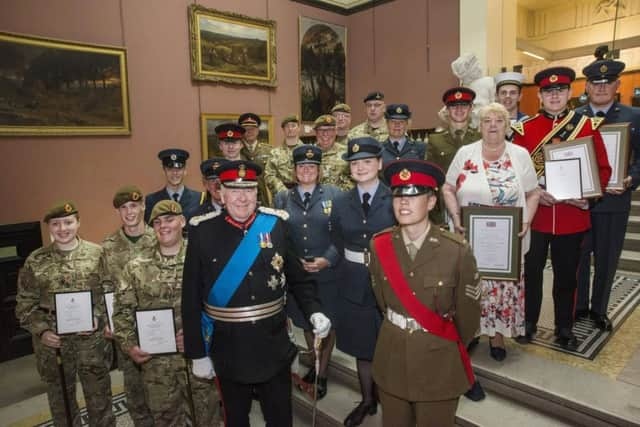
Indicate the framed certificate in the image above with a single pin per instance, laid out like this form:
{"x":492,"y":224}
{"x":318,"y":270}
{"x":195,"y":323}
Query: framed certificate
{"x":564,"y":178}
{"x":108,"y":303}
{"x":157,"y":331}
{"x":492,"y":233}
{"x":580,"y":148}
{"x":74,"y":312}
{"x":616,"y":137}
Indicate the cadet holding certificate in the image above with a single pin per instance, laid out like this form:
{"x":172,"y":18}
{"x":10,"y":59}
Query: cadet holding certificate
{"x":74,"y":312}
{"x":157,"y":331}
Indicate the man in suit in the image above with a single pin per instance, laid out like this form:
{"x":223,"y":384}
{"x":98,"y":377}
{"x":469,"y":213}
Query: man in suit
{"x":609,"y":215}
{"x":174,"y":165}
{"x":398,"y":145}
{"x":427,"y":286}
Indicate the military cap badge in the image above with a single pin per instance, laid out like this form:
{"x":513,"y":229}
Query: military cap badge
{"x":405,"y":175}
{"x":68,"y":208}
{"x":398,"y":110}
{"x":309,"y":154}
{"x":458,"y":95}
{"x":604,"y":68}
{"x":230,"y":133}
{"x":135,"y":196}
{"x":570,"y":126}
{"x":355,"y":148}
{"x":242,"y":171}
{"x":378,"y":96}
{"x":327,"y":119}
{"x":553,"y":78}
{"x":215,"y":165}
{"x":173,"y":208}
{"x":173,"y":157}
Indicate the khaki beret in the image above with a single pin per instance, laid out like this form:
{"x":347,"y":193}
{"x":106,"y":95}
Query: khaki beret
{"x":165,"y":207}
{"x":344,"y":108}
{"x":324,"y":120}
{"x":129,"y":193}
{"x":60,"y":209}
{"x":289,"y":119}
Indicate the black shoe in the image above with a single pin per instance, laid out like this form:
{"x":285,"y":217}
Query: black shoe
{"x":530,"y":330}
{"x":583,"y":314}
{"x":603,"y":323}
{"x":566,"y":339}
{"x":356,"y":416}
{"x":310,"y":376}
{"x":475,"y":393}
{"x":473,"y":344}
{"x":524,"y":339}
{"x":322,"y":388}
{"x":497,"y":353}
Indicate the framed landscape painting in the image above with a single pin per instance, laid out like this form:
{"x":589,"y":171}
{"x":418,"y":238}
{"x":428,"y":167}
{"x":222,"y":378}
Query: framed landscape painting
{"x":56,"y":87}
{"x":209,"y":139}
{"x":231,"y":48}
{"x":323,"y":58}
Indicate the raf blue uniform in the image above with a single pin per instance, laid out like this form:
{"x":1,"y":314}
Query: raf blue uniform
{"x":410,"y":150}
{"x":609,"y":216}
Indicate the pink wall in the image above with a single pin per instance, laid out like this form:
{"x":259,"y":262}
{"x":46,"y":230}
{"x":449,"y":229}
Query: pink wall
{"x":165,"y":104}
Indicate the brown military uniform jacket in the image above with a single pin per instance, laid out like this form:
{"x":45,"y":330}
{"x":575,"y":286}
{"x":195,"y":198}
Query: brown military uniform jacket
{"x":420,"y":366}
{"x":260,"y":154}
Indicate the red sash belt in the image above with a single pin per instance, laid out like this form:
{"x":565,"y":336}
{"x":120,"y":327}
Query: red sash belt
{"x":429,"y":320}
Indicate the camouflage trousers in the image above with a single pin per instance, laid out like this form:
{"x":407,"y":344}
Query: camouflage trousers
{"x":168,"y":394}
{"x":134,"y":388}
{"x":86,"y":357}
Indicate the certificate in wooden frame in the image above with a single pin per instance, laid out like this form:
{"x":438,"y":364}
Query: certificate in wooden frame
{"x":209,"y":140}
{"x":511,"y":217}
{"x":581,"y":148}
{"x":616,"y":138}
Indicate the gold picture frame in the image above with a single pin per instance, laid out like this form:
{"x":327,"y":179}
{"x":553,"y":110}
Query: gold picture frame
{"x":231,"y":48}
{"x":617,"y":137}
{"x":61,"y":87}
{"x":209,"y":140}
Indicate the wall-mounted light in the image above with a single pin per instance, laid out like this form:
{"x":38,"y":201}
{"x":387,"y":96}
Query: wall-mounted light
{"x":533,"y":55}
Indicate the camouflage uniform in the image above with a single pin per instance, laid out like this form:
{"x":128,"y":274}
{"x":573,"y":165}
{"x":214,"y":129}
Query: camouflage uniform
{"x":118,"y":250}
{"x":364,"y":129}
{"x":46,"y":271}
{"x":334,"y":170}
{"x":342,"y":140}
{"x":279,"y":168}
{"x":260,"y":154}
{"x":154,"y":281}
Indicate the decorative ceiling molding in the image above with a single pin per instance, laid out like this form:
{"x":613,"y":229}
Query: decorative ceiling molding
{"x":343,"y":7}
{"x":586,"y":50}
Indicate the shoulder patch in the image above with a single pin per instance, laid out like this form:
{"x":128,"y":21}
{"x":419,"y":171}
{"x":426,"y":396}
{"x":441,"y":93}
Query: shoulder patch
{"x":518,"y":127}
{"x":196,"y":220}
{"x":596,"y":122}
{"x":277,"y":212}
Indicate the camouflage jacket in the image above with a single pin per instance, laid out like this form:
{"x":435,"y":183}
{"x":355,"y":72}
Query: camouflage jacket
{"x":49,"y":270}
{"x":149,"y":281}
{"x":279,"y":168}
{"x":364,"y":129}
{"x":342,"y":140}
{"x":118,"y":251}
{"x":334,"y":170}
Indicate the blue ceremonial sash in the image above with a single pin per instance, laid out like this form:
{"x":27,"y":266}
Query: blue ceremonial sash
{"x":234,"y":272}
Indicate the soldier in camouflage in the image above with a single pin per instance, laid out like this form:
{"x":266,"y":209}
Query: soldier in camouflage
{"x":128,"y":241}
{"x":153,"y":280}
{"x":375,"y":125}
{"x":278,"y":172}
{"x":333,"y":169}
{"x":68,"y":264}
{"x":342,"y":114}
{"x":256,"y":151}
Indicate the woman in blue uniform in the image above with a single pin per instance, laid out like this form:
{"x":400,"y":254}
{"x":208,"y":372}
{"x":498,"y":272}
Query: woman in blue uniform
{"x":309,"y":206}
{"x":356,"y":216}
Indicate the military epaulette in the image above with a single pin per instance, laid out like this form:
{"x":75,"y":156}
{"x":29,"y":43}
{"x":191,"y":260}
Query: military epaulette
{"x":277,"y":212}
{"x":458,"y":238}
{"x":518,"y":127}
{"x":386,"y":230}
{"x":439,"y":130}
{"x":596,"y":122}
{"x":196,"y":220}
{"x":203,"y":197}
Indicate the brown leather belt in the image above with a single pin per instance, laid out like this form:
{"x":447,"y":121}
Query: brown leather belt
{"x":245,"y":314}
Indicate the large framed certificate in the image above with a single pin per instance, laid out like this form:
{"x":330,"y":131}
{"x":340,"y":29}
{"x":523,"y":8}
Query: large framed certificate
{"x":108,"y":303}
{"x":74,"y":312}
{"x":563,"y":178}
{"x":492,"y":233}
{"x":580,"y":148}
{"x":616,"y":137}
{"x":157,"y":331}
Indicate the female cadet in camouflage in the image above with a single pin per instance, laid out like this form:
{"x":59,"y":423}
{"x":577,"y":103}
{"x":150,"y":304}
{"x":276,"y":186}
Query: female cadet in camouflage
{"x":68,"y":264}
{"x":153,"y":280}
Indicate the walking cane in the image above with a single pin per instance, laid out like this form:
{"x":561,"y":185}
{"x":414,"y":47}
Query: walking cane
{"x":63,"y":382}
{"x":317,"y":342}
{"x":190,"y":394}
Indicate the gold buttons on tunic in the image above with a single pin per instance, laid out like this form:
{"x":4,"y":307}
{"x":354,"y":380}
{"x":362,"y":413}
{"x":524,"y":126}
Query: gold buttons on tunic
{"x":250,"y":273}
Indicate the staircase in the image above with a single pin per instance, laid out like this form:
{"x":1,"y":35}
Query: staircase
{"x":630,"y":258}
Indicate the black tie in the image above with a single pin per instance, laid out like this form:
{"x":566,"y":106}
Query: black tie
{"x":365,"y":203}
{"x":396,"y":145}
{"x":307,"y":200}
{"x":600,"y":114}
{"x":175,"y":196}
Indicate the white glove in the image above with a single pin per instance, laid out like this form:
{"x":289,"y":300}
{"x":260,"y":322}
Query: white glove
{"x":321,"y":324}
{"x":203,"y":368}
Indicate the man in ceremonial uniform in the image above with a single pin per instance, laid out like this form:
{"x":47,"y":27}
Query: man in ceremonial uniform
{"x":559,"y":224}
{"x":427,"y":286}
{"x":444,"y":145}
{"x":234,"y":296}
{"x":509,"y":94}
{"x":213,"y":201}
{"x":256,"y":151}
{"x":342,"y":114}
{"x":609,"y":215}
{"x":131,"y":239}
{"x":153,"y":281}
{"x":334,"y":169}
{"x":174,"y":164}
{"x":278,"y":172}
{"x":398,"y":145}
{"x":375,"y":125}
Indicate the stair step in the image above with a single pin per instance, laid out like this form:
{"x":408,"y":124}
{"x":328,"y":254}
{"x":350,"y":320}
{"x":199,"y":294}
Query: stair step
{"x":635,"y":196}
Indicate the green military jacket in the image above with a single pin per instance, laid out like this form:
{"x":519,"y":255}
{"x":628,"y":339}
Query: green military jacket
{"x":420,"y":366}
{"x":118,"y":251}
{"x":49,"y":270}
{"x":149,"y":281}
{"x":279,"y":168}
{"x":334,"y":169}
{"x":364,"y":129}
{"x":260,"y":155}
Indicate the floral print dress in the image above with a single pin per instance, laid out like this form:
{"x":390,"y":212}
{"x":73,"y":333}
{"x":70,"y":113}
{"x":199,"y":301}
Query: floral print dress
{"x":502,"y":301}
